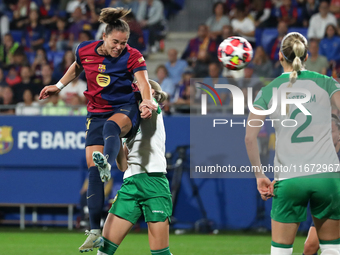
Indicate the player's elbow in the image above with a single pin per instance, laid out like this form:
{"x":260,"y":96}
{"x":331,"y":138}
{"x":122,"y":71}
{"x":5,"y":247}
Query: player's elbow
{"x":310,"y":248}
{"x":249,"y":140}
{"x":121,"y":166}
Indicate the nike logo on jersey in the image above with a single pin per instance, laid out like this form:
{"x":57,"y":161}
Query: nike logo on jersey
{"x":89,"y":196}
{"x":123,"y":110}
{"x":88,"y":60}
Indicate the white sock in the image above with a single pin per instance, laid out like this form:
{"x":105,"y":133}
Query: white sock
{"x":101,"y":253}
{"x":96,"y":231}
{"x":330,"y":249}
{"x":280,"y":251}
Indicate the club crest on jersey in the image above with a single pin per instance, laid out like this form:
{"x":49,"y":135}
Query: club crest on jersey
{"x":103,"y":80}
{"x":102,"y":68}
{"x":141,"y":59}
{"x":6,"y":139}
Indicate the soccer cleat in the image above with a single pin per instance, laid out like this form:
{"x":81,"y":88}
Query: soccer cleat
{"x":103,"y":166}
{"x":94,"y":240}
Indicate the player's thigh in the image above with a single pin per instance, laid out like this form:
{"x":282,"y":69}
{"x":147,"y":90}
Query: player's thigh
{"x":290,"y":206}
{"x":125,"y":205}
{"x":158,"y":233}
{"x":89,"y":150}
{"x":116,"y":228}
{"x":312,"y":242}
{"x":284,"y":233}
{"x":127,"y":118}
{"x":325,"y":199}
{"x":123,"y":121}
{"x":154,"y":196}
{"x":327,"y":229}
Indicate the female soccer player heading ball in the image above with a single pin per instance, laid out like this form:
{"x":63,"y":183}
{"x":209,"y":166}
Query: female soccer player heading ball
{"x":305,"y":148}
{"x":145,"y":189}
{"x":110,"y":66}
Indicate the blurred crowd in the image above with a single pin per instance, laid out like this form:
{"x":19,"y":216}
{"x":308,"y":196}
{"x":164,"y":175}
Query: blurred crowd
{"x":39,"y":38}
{"x":263,"y":23}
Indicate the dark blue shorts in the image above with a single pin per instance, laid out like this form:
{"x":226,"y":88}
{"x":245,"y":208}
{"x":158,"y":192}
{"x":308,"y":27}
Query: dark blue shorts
{"x":312,"y":224}
{"x":95,"y":123}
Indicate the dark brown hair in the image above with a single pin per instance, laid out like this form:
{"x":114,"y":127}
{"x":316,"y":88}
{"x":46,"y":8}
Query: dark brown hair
{"x":112,"y":17}
{"x":218,"y":3}
{"x":164,"y":68}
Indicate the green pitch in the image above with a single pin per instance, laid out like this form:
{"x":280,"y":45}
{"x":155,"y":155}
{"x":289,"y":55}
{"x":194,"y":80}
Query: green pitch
{"x":57,"y":241}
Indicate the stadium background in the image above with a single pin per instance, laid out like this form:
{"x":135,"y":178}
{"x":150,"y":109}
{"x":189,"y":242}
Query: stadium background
{"x":42,"y":158}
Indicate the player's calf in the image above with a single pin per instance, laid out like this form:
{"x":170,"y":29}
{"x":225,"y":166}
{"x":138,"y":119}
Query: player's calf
{"x":109,"y":248}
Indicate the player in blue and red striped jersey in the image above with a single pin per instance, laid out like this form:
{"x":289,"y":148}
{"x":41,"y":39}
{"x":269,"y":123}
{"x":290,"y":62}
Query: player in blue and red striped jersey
{"x":110,"y":66}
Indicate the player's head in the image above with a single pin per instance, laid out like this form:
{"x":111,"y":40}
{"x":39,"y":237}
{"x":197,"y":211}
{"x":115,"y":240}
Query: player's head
{"x":157,"y":92}
{"x":117,"y":31}
{"x":335,"y":129}
{"x":293,"y":53}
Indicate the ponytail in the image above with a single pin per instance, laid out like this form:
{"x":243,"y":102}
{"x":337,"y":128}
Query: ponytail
{"x":159,"y":94}
{"x":113,"y":18}
{"x":294,"y":50}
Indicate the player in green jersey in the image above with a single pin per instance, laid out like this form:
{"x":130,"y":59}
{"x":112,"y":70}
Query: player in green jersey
{"x":304,"y":155}
{"x":145,"y":189}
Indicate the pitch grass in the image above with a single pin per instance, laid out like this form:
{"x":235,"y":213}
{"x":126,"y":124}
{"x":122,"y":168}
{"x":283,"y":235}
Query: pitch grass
{"x":59,"y":241}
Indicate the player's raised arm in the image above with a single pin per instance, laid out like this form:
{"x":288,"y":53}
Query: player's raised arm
{"x":264,"y":185}
{"x":73,"y":72}
{"x":147,"y":104}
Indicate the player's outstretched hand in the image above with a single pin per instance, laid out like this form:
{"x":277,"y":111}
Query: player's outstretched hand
{"x":48,"y":91}
{"x":265,"y":187}
{"x":146,"y":113}
{"x":146,"y":107}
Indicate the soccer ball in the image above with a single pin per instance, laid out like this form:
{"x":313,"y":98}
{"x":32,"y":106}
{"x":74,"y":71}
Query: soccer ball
{"x":235,"y":52}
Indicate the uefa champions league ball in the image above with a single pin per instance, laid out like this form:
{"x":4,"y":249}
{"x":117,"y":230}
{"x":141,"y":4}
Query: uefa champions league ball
{"x":235,"y":52}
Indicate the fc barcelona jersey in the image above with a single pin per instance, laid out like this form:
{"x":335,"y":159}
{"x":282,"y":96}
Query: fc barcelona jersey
{"x":109,"y":80}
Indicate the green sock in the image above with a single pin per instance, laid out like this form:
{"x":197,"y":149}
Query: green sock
{"x":278,"y":245}
{"x":109,"y":247}
{"x":336,"y":241}
{"x":165,"y":251}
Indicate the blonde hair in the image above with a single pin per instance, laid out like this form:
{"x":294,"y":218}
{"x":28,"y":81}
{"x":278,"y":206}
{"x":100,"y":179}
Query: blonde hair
{"x":113,"y":18}
{"x":159,"y":94}
{"x":294,"y":49}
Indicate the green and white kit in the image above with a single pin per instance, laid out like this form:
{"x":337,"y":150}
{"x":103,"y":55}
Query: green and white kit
{"x":145,"y":188}
{"x":307,"y":148}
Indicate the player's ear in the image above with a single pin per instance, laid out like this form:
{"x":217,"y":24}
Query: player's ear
{"x":104,"y":36}
{"x":306,"y":57}
{"x":280,"y":56}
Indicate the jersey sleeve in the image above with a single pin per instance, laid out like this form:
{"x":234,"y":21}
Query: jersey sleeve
{"x":263,"y":98}
{"x":136,"y":61}
{"x":332,"y":86}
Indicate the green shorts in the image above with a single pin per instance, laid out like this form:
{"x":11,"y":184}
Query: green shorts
{"x":144,"y":193}
{"x":291,"y":197}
